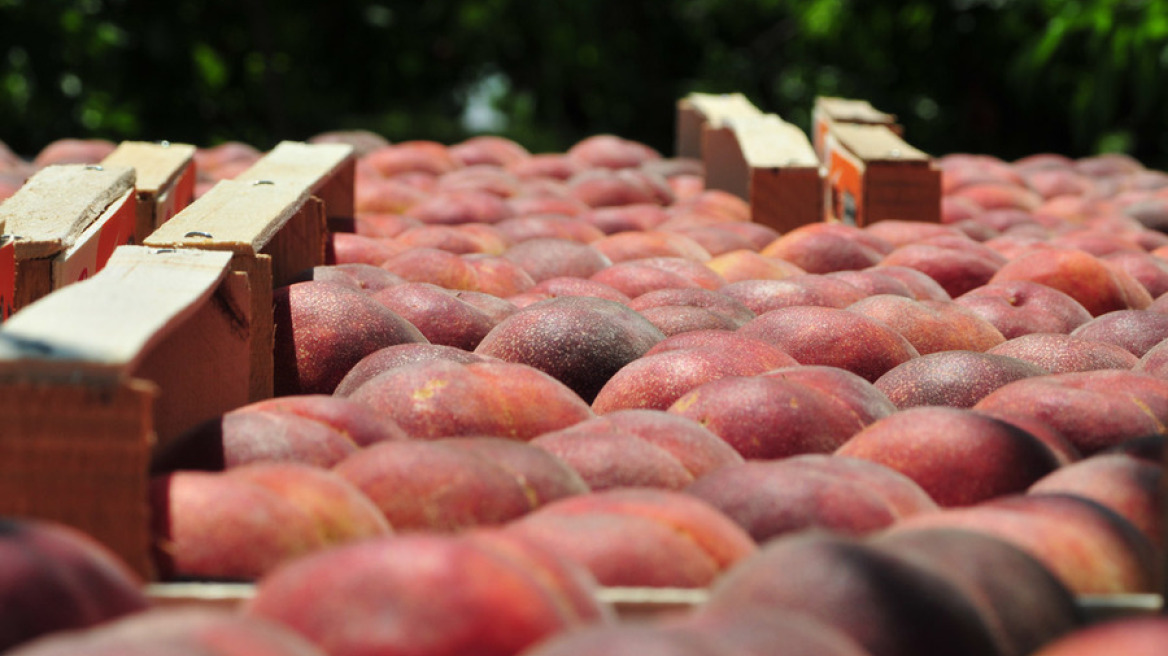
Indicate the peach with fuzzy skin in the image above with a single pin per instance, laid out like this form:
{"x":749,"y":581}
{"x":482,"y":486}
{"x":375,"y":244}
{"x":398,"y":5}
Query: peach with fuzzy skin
{"x":1128,"y":485}
{"x":993,"y":195}
{"x":437,"y":313}
{"x":556,"y":166}
{"x":460,"y":206}
{"x":740,"y":265}
{"x":717,"y":203}
{"x":872,"y":281}
{"x":1023,"y":602}
{"x":827,"y":247}
{"x":717,"y":239}
{"x":548,"y":226}
{"x":498,"y":276}
{"x":57,"y":578}
{"x":834,"y":337}
{"x":636,"y":277}
{"x":432,"y":594}
{"x":1100,"y":288}
{"x":1154,"y":362}
{"x":907,"y":610}
{"x":392,"y":357}
{"x":708,"y":299}
{"x":612,"y":458}
{"x":769,"y":498}
{"x":353,"y":420}
{"x":769,"y":417}
{"x":1136,"y":331}
{"x":1133,"y":636}
{"x":442,"y":398}
{"x":1021,"y":307}
{"x":544,"y":258}
{"x":487,"y":178}
{"x":922,"y":286}
{"x":386,"y":196}
{"x":429,"y":486}
{"x":931,"y":326}
{"x":956,"y":378}
{"x":578,"y":340}
{"x":656,"y":381}
{"x":435,"y":266}
{"x":572,"y":286}
{"x":351,"y":248}
{"x":1059,"y":353}
{"x":73,"y":151}
{"x":633,"y":217}
{"x":956,"y":270}
{"x":861,"y":399}
{"x":382,"y":224}
{"x":638,"y":245}
{"x":1149,"y":270}
{"x":452,"y":238}
{"x":353,"y":274}
{"x":677,"y":319}
{"x":764,"y":295}
{"x":212,"y":526}
{"x":542,"y":476}
{"x":1094,"y":410}
{"x":488,"y":149}
{"x":412,"y":156}
{"x":176,"y":631}
{"x":960,"y":457}
{"x":899,"y":232}
{"x":611,"y":151}
{"x":1091,"y":548}
{"x":607,"y":188}
{"x":323,"y":329}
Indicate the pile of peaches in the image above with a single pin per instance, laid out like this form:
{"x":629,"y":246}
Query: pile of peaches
{"x":527,"y":380}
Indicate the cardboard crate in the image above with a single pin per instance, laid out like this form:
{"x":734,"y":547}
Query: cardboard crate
{"x":699,"y":112}
{"x":872,"y":174}
{"x":776,"y":163}
{"x":62,"y":226}
{"x":165,"y":180}
{"x":95,"y":375}
{"x":831,"y":111}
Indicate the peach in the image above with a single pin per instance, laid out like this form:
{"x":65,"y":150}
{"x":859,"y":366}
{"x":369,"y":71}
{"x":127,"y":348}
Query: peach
{"x":177,"y":631}
{"x":441,"y":398}
{"x":429,"y":486}
{"x":740,"y":265}
{"x":768,"y":417}
{"x":1130,"y":635}
{"x":1100,"y":288}
{"x":764,"y":295}
{"x":548,"y":257}
{"x":960,"y":457}
{"x":611,"y":151}
{"x":714,"y":301}
{"x":956,"y":270}
{"x":1136,"y":331}
{"x":872,"y":281}
{"x":832,"y":336}
{"x":580,"y":341}
{"x":386,"y":196}
{"x":557,"y":166}
{"x":636,"y":277}
{"x":488,"y":149}
{"x":213,"y":526}
{"x":1023,"y":602}
{"x":73,"y":151}
{"x":994,"y":195}
{"x":412,"y":156}
{"x":435,"y":266}
{"x":769,"y":498}
{"x":1126,"y":484}
{"x":392,"y":357}
{"x":760,"y":631}
{"x":716,"y":203}
{"x":827,"y":247}
{"x":642,"y":244}
{"x":922,"y":286}
{"x":351,"y":248}
{"x":431,"y":594}
{"x":353,"y":420}
{"x":488,"y":178}
{"x":1021,"y":307}
{"x":353,"y":274}
{"x":1089,"y":547}
{"x":632,"y":217}
{"x":1149,"y":270}
{"x":1059,"y":353}
{"x":497,"y":275}
{"x":438,"y":314}
{"x":460,"y":206}
{"x":572,"y":286}
{"x":677,"y":319}
{"x":382,"y":224}
{"x":861,"y":399}
{"x":456,"y":239}
{"x":717,"y":239}
{"x":611,"y":458}
{"x":629,"y":639}
{"x":56,"y":578}
{"x":1154,"y":362}
{"x":887,"y":604}
{"x":543,"y":476}
{"x":323,"y":329}
{"x":957,"y":378}
{"x":607,"y":188}
{"x":548,"y":226}
{"x":248,"y":435}
{"x":931,"y":326}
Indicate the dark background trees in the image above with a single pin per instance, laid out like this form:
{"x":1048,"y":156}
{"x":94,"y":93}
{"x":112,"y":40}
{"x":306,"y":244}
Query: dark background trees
{"x":1006,"y":77}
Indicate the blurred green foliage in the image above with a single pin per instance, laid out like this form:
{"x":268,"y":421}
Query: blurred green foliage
{"x":1006,"y":77}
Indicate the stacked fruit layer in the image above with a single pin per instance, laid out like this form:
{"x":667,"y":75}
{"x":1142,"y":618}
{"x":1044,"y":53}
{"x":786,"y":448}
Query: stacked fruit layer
{"x":524,"y":377}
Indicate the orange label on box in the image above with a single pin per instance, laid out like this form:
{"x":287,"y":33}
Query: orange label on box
{"x":93,"y":249}
{"x":7,"y":279}
{"x":845,"y":184}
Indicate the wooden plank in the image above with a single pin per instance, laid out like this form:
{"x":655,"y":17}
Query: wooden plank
{"x":697,"y":110}
{"x":94,"y":375}
{"x":328,"y":170}
{"x":57,"y":204}
{"x":90,"y":252}
{"x":785,"y":187}
{"x":7,"y":278}
{"x":873,"y":175}
{"x":165,"y":180}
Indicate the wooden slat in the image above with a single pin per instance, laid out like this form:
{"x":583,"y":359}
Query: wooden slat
{"x":51,"y":210}
{"x":698,"y":110}
{"x":165,"y":180}
{"x":877,"y":143}
{"x":327,"y":170}
{"x":873,"y":175}
{"x":829,"y":112}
